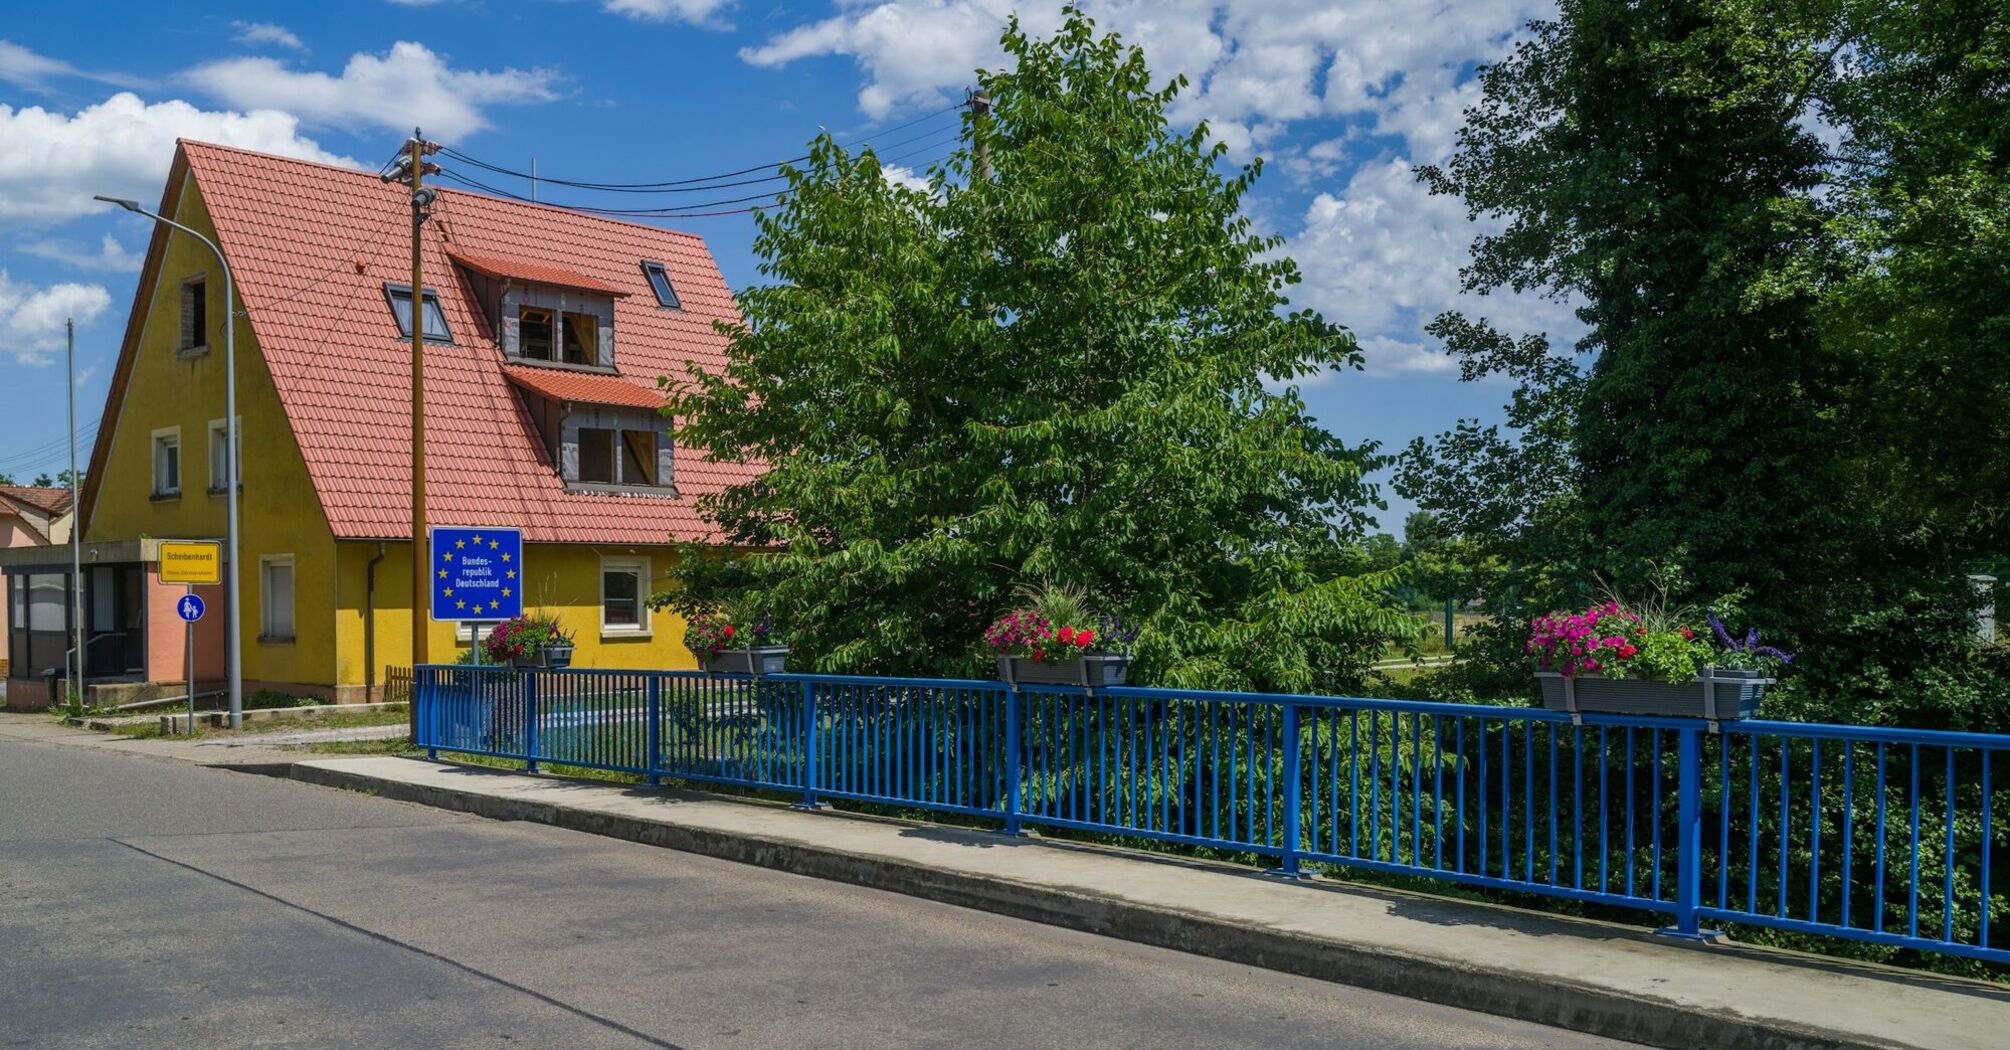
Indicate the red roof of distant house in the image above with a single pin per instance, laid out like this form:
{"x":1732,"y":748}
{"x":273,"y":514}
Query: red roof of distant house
{"x":584,"y":387}
{"x":49,"y":501}
{"x":312,"y":247}
{"x":533,"y":271}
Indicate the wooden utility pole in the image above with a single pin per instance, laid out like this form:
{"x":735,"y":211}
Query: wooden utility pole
{"x":416,"y":152}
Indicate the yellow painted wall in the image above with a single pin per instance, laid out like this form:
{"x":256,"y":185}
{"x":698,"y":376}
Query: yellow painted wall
{"x":279,"y":513}
{"x":563,"y":579}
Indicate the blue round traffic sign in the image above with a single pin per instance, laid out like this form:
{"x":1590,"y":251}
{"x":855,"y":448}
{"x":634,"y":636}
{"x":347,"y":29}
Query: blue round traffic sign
{"x":189,"y":607}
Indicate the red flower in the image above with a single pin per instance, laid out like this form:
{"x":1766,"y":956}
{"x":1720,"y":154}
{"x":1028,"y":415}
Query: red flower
{"x":1039,"y":654}
{"x":1687,"y":633}
{"x":1084,"y":636}
{"x":1066,"y":635}
{"x":726,"y":631}
{"x":1626,"y":652}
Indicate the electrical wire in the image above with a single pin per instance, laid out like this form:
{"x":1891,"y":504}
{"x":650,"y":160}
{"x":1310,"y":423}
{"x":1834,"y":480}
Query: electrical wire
{"x":686,"y":211}
{"x":40,"y":453}
{"x":690,"y":185}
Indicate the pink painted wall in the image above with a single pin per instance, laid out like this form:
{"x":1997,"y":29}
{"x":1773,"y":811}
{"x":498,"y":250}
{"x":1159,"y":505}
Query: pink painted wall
{"x":13,"y":533}
{"x":167,"y":656}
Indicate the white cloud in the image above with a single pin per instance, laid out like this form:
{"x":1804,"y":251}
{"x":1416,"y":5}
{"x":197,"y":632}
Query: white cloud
{"x":111,"y":255}
{"x":54,"y":162}
{"x":408,"y":84}
{"x":256,"y":34}
{"x":1382,"y":256}
{"x":901,"y":175}
{"x":31,"y":318}
{"x":696,"y":12}
{"x":18,"y":65}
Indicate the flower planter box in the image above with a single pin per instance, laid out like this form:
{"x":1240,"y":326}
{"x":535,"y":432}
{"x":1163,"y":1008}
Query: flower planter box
{"x":555,"y":656}
{"x":1090,"y":670}
{"x":1721,"y":695}
{"x":757,"y":661}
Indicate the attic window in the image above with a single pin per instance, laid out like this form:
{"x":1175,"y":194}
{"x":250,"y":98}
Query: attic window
{"x":659,"y":282}
{"x":400,"y":298}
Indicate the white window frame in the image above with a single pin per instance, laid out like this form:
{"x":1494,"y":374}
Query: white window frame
{"x":266,"y":604}
{"x":641,"y":569}
{"x":217,"y":471}
{"x":158,"y":491}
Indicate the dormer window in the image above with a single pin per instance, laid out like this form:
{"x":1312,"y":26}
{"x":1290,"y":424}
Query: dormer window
{"x":659,"y":282}
{"x":582,"y":338}
{"x":435,"y":319}
{"x":533,"y":333}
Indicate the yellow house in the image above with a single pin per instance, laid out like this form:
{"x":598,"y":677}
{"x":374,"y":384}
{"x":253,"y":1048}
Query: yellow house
{"x":545,"y":333}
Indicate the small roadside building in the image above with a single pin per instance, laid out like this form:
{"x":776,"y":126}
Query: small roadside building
{"x":32,"y":520}
{"x":545,"y":333}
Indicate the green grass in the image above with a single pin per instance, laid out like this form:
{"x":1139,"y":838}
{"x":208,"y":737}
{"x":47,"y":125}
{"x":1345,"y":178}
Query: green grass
{"x":393,"y":746}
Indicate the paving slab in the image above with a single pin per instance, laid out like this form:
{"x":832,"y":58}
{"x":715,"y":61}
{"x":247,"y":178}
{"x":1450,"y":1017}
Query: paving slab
{"x":1589,"y":976}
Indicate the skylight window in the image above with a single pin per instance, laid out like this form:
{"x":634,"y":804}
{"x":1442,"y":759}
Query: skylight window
{"x":400,"y":298}
{"x":659,"y":281}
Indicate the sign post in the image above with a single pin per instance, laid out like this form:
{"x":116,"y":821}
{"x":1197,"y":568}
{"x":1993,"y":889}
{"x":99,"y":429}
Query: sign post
{"x":191,"y":562}
{"x":190,"y":610}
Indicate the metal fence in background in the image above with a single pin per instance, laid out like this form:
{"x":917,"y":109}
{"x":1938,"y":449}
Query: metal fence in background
{"x":1882,"y":835}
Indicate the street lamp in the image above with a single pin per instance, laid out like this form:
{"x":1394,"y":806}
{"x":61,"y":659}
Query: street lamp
{"x":232,"y":648}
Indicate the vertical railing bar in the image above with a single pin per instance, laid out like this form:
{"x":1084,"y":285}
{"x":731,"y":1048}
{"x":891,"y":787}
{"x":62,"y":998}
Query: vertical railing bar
{"x":1375,"y":785}
{"x":1438,"y":790}
{"x":1882,"y":835}
{"x":1528,"y":800}
{"x":1552,"y":803}
{"x":1988,"y":847}
{"x":1947,"y":900}
{"x":1631,"y":760}
{"x":1912,"y":905}
{"x":1507,"y":799}
{"x":1723,"y":821}
{"x":1459,"y":742}
{"x":1485,"y":780}
{"x":1814,"y":829}
{"x":1417,"y":789}
{"x":1604,"y":808}
{"x":1654,"y":891}
{"x":1354,"y":782}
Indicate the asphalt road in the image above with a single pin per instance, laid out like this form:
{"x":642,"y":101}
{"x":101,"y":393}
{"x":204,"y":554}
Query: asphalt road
{"x":145,"y":902}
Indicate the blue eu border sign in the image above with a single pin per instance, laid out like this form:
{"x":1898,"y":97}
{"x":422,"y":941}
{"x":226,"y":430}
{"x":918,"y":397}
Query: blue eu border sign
{"x":477,"y":574}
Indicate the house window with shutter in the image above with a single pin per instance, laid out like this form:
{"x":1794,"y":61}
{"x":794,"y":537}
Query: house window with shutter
{"x":194,"y":317}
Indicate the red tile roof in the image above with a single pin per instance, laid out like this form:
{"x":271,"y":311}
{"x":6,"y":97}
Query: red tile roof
{"x":585,"y":387}
{"x":313,"y":245}
{"x":533,"y":271}
{"x":48,"y":501}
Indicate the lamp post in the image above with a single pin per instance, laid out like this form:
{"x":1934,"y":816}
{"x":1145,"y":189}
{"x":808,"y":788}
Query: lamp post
{"x":232,"y":648}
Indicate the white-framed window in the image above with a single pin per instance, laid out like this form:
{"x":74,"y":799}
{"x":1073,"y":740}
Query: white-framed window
{"x":167,"y":463}
{"x":624,"y":586}
{"x":434,"y":318}
{"x":194,"y":315}
{"x":218,"y":468}
{"x":275,"y":598}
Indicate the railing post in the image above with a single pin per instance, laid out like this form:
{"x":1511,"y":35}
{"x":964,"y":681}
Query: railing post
{"x":808,"y":736}
{"x":654,"y":734}
{"x":530,"y":721}
{"x":1689,"y":839}
{"x":1013,"y":772}
{"x":1287,"y":867}
{"x":425,"y":702}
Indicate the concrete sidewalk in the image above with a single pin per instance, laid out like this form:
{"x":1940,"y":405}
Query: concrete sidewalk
{"x":1594,"y":977}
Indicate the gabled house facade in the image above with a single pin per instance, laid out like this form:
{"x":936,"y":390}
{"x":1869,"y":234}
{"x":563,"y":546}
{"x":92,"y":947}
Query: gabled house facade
{"x":545,"y":332}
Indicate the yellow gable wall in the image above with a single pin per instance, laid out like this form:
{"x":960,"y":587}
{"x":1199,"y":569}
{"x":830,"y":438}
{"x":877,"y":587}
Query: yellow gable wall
{"x":563,"y":579}
{"x":279,"y":513}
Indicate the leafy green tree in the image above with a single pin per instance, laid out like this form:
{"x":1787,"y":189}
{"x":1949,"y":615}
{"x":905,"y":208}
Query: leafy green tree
{"x":44,"y":481}
{"x":1056,"y":364}
{"x":1647,"y":160}
{"x":7,"y":479}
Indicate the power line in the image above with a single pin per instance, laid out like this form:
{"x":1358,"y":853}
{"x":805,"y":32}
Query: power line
{"x":59,"y":446}
{"x":685,"y":211}
{"x":691,"y":185}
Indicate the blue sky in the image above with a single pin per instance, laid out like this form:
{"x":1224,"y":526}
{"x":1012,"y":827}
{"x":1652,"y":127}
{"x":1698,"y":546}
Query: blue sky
{"x":1341,"y":97}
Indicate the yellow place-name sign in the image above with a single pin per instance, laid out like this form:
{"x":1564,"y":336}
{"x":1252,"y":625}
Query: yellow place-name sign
{"x":191,"y":561}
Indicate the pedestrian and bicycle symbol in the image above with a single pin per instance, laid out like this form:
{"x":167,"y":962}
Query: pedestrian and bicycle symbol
{"x":189,"y":608}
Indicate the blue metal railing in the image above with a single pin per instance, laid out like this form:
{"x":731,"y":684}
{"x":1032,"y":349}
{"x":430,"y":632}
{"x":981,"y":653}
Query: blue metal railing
{"x":1881,"y":835}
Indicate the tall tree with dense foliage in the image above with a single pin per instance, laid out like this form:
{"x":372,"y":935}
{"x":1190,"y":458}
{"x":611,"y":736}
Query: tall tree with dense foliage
{"x":1059,"y":362}
{"x":1744,"y":411}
